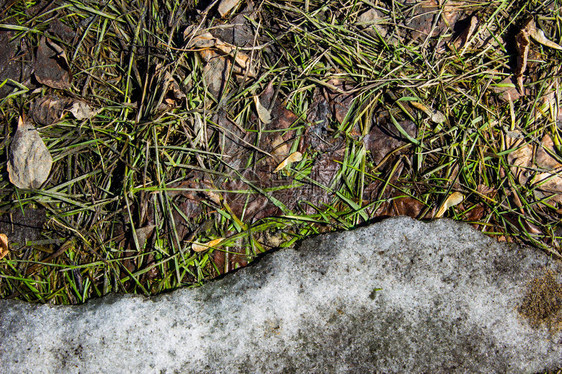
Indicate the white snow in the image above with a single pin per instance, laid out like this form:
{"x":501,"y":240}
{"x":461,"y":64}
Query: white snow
{"x":447,"y":302}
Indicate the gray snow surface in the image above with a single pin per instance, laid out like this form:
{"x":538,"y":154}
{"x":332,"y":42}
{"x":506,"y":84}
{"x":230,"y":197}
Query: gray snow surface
{"x":399,"y":296}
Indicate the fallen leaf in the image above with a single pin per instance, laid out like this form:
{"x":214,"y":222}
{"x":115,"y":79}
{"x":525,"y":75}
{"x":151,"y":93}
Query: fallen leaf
{"x":82,"y":110}
{"x":406,"y":206}
{"x":263,"y":113}
{"x":454,"y":199}
{"x":538,"y":35}
{"x":372,"y":21}
{"x":48,"y":109}
{"x":51,"y":66}
{"x":522,"y":40}
{"x":435,"y":115}
{"x":215,"y":71}
{"x":23,"y":224}
{"x":421,"y":21}
{"x":29,"y":162}
{"x":520,"y":159}
{"x":293,"y":157}
{"x":206,"y":40}
{"x":143,"y":234}
{"x":544,"y":155}
{"x":52,"y":108}
{"x":486,"y":190}
{"x":3,"y":246}
{"x":548,"y":181}
{"x":226,"y":6}
{"x":199,"y":247}
{"x":507,"y":90}
{"x":522,"y":43}
{"x":384,"y":138}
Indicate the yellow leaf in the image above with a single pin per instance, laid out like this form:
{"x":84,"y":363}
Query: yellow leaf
{"x":200,"y":247}
{"x":263,"y":112}
{"x":3,"y":246}
{"x":293,"y":157}
{"x":454,"y":199}
{"x":226,"y":6}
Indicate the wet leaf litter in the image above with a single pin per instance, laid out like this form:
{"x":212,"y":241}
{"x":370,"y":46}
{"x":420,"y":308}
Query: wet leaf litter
{"x":29,"y":162}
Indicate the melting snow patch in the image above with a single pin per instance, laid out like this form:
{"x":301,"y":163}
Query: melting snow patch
{"x":397,"y":296}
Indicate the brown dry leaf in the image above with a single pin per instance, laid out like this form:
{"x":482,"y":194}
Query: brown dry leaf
{"x":209,"y":193}
{"x":293,"y":157}
{"x":263,"y":113}
{"x":3,"y":246}
{"x":429,"y":18}
{"x":215,"y":71}
{"x":543,"y":157}
{"x":522,"y":40}
{"x":507,"y":90}
{"x":227,"y":6}
{"x":48,"y":109}
{"x":199,"y":247}
{"x":51,"y":109}
{"x":454,"y":199}
{"x":51,"y":66}
{"x":384,"y":138}
{"x":538,"y":36}
{"x":174,"y":94}
{"x":549,"y":181}
{"x":486,"y":190}
{"x":407,"y":206}
{"x":22,"y":224}
{"x":195,"y":188}
{"x":278,"y":138}
{"x":29,"y":161}
{"x":143,"y":234}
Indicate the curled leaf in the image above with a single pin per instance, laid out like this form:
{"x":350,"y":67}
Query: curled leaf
{"x":200,"y":247}
{"x":454,"y":199}
{"x":29,"y":161}
{"x":435,"y":115}
{"x":522,"y":40}
{"x":293,"y":157}
{"x":538,"y":36}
